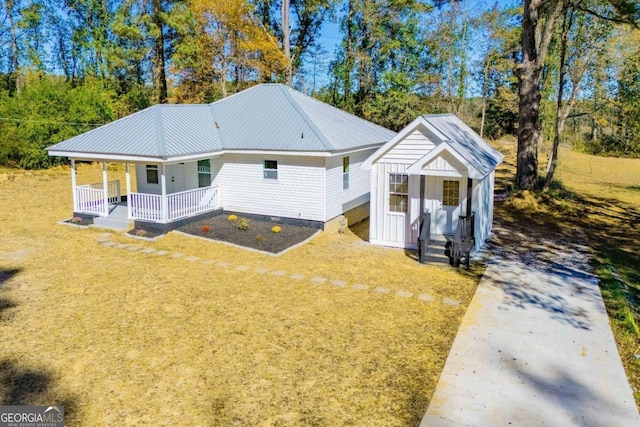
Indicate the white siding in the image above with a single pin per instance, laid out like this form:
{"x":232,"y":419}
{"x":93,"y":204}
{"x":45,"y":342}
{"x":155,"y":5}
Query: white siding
{"x":410,"y":149}
{"x":339,"y":200}
{"x":445,"y":162}
{"x":297,"y":193}
{"x":393,"y":228}
{"x":141,"y":180}
{"x":483,"y":207}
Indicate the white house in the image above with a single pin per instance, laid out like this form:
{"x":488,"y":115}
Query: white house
{"x":436,"y":164}
{"x":268,"y":150}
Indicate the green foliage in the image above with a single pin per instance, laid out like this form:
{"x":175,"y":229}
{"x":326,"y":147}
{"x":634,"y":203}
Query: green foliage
{"x":48,"y":111}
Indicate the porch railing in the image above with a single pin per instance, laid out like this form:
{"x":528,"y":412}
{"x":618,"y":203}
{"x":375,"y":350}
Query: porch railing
{"x":156,"y":208}
{"x":113,"y":187}
{"x":90,"y":200}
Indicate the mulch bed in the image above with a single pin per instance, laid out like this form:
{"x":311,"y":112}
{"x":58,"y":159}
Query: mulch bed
{"x":258,"y":236}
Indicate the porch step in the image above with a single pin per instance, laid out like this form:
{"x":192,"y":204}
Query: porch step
{"x":113,"y":223}
{"x":435,"y":251}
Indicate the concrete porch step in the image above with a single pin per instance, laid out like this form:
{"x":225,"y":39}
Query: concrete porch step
{"x":111,"y":223}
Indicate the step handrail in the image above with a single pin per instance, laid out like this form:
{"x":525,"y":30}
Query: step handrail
{"x":424,"y":237}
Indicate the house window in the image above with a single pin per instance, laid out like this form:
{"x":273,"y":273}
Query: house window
{"x":204,"y":173}
{"x":398,"y":192}
{"x":271,"y":169}
{"x":345,"y":173}
{"x":152,"y":174}
{"x":451,"y":193}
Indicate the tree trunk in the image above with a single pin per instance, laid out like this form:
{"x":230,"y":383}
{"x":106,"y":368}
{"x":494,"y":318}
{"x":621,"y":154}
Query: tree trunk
{"x":159,"y":60}
{"x":485,"y":93}
{"x":14,"y":72}
{"x":286,"y":41}
{"x":536,"y":35}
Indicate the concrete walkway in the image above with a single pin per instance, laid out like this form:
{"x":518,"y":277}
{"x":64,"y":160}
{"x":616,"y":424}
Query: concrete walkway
{"x":534,"y":349}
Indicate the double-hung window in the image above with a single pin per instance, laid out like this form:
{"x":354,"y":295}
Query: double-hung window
{"x":204,"y":173}
{"x":270,"y":169}
{"x":398,"y":192}
{"x":345,"y":173}
{"x":152,"y":174}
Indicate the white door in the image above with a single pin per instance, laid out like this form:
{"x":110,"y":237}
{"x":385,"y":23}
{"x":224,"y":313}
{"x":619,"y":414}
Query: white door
{"x":450,"y":196}
{"x":175,"y":175}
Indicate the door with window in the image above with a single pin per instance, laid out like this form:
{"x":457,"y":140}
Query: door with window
{"x":175,"y":178}
{"x":450,"y":193}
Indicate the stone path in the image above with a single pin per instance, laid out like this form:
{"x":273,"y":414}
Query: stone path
{"x":104,"y":240}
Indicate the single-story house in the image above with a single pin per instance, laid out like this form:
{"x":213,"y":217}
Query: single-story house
{"x":438,"y":165}
{"x":268,"y":150}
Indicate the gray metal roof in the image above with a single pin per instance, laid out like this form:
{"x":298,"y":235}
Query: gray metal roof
{"x":265,"y":117}
{"x":475,"y":150}
{"x":159,"y":131}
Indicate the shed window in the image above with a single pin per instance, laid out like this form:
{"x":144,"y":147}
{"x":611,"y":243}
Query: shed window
{"x":271,"y":169}
{"x":451,"y":193}
{"x":345,"y":173}
{"x":152,"y":174}
{"x":398,"y":192}
{"x":204,"y":173}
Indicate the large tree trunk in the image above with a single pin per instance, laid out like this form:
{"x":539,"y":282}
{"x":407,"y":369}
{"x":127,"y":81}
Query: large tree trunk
{"x":159,"y":51}
{"x":14,"y":72}
{"x":536,"y":35}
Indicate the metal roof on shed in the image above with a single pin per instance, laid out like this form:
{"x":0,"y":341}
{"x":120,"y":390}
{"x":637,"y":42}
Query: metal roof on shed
{"x":475,"y":150}
{"x":270,"y":117}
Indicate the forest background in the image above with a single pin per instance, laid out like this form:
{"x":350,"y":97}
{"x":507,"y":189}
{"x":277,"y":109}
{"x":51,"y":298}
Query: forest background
{"x":544,"y":71}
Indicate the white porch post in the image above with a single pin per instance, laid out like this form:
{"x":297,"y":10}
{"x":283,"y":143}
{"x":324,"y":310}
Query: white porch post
{"x":165,"y":205}
{"x":105,"y":185}
{"x":128,"y":183}
{"x":74,"y":196}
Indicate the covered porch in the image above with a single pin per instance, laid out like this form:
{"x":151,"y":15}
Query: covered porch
{"x":106,"y":199}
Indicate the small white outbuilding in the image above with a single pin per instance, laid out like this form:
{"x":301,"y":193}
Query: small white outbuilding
{"x":436,"y":164}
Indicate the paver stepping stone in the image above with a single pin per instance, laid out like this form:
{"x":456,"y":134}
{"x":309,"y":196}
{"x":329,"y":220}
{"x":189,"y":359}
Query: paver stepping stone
{"x":121,"y":246}
{"x":160,"y":253}
{"x":206,"y":261}
{"x":318,"y":280}
{"x":260,"y":270}
{"x":148,"y":251}
{"x":360,"y":287}
{"x":297,"y":276}
{"x":426,"y":297}
{"x":103,"y":238}
{"x":134,"y":248}
{"x":279,"y":273}
{"x":223,"y":264}
{"x":449,"y":301}
{"x":339,"y":283}
{"x":108,"y":243}
{"x":380,"y":290}
{"x":404,"y":294}
{"x":177,"y":255}
{"x":192,"y":258}
{"x":242,"y":268}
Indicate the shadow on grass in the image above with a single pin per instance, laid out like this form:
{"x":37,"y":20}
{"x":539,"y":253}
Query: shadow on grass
{"x":20,"y":386}
{"x":5,"y":303}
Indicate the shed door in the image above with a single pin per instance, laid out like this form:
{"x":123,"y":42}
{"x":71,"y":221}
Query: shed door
{"x":450,"y":197}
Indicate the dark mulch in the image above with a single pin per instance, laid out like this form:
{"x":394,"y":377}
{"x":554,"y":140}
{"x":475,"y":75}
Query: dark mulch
{"x":258,"y":236}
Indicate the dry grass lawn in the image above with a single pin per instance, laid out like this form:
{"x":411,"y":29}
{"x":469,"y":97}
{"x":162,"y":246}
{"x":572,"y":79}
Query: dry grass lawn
{"x":124,"y":338}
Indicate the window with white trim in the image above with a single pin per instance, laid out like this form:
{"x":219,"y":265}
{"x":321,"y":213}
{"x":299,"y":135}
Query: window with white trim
{"x":345,"y":173}
{"x":270,"y":168}
{"x":451,"y":193}
{"x":204,"y":173}
{"x":398,"y":192}
{"x":152,"y":174}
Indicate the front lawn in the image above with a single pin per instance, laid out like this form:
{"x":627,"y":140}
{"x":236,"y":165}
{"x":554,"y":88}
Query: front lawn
{"x":127,"y":338}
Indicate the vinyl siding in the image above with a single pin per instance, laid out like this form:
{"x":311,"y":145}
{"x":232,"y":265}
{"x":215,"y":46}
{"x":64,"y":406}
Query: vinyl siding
{"x":393,"y":228}
{"x":410,"y":149}
{"x":297,"y":193}
{"x":339,"y":200}
{"x":180,"y":177}
{"x":141,"y":179}
{"x":445,"y":162}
